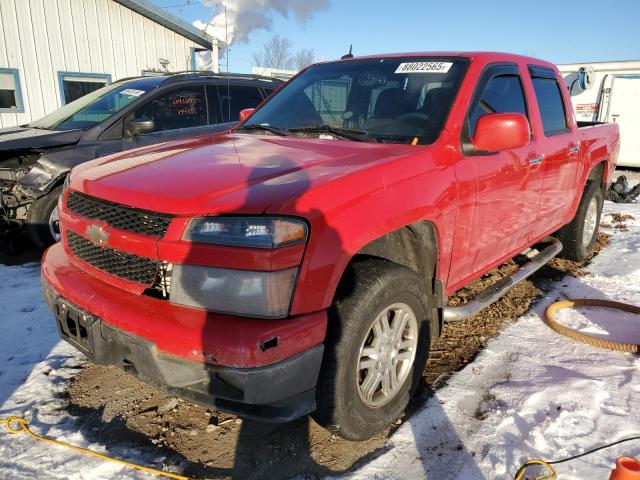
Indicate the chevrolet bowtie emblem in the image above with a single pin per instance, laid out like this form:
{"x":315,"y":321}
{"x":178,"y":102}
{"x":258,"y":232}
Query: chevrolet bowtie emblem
{"x":96,"y":234}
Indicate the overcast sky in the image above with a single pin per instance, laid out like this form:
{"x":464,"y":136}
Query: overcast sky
{"x":559,"y":31}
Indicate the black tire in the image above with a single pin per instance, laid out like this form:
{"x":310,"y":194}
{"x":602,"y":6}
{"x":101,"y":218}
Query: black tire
{"x":575,"y":246}
{"x":37,"y":223}
{"x":367,"y":289}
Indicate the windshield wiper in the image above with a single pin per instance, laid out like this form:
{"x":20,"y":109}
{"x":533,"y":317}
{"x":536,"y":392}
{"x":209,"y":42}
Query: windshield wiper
{"x":348,"y":133}
{"x":266,"y":128}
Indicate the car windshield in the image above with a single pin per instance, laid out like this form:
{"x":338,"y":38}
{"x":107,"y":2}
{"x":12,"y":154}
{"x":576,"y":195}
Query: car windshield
{"x":97,"y":106}
{"x":391,"y":100}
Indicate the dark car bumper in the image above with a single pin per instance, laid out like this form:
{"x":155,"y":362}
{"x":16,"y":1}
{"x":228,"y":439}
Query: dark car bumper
{"x":280,"y":392}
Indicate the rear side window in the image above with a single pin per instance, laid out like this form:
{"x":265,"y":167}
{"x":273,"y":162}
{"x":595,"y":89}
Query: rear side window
{"x":502,"y":94}
{"x":554,"y":118}
{"x":234,"y":98}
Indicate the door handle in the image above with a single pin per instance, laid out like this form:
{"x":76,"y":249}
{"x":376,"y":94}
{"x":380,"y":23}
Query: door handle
{"x":535,"y":160}
{"x":573,"y":149}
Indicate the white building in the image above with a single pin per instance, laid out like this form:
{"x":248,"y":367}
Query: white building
{"x":53,"y":51}
{"x":274,"y":72}
{"x":608,"y":92}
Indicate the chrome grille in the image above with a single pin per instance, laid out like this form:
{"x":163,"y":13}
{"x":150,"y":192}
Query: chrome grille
{"x":123,"y":217}
{"x":114,"y":262}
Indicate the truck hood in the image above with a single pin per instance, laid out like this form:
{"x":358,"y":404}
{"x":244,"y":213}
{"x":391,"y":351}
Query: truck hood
{"x":20,"y":138}
{"x":241,"y":173}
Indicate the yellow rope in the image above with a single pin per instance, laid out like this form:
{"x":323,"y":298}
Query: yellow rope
{"x":17,"y":425}
{"x":536,"y":461}
{"x":588,"y":339}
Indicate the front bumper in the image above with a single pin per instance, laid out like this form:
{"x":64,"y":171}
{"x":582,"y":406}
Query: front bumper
{"x":260,"y":369}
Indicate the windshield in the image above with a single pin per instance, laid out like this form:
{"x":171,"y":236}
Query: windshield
{"x":394,"y":100}
{"x":96,"y":106}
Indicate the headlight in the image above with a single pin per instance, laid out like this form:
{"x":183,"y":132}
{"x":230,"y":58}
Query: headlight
{"x":237,"y":292}
{"x":258,"y":232}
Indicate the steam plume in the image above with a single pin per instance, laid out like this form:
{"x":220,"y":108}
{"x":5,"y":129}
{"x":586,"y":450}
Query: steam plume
{"x":245,"y":16}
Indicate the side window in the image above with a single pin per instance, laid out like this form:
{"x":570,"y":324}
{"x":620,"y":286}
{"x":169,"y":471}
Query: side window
{"x":502,"y":94}
{"x":267,"y":91}
{"x":184,"y":107}
{"x":554,"y":117}
{"x":234,"y":98}
{"x":213,"y":103}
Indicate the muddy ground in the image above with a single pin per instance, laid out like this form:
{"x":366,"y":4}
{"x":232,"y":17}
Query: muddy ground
{"x":116,"y":406}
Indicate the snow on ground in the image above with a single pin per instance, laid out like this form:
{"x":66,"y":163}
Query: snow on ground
{"x":530,"y":393}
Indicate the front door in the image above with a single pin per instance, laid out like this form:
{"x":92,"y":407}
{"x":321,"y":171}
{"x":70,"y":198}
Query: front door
{"x":178,"y":113}
{"x":498,"y":192}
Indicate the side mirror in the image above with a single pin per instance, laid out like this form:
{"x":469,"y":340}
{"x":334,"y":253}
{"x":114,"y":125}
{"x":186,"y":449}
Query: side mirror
{"x":246,"y":113}
{"x":139,"y":126}
{"x":501,"y":131}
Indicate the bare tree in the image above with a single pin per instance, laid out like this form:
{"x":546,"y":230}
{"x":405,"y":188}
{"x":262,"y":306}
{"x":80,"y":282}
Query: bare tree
{"x":303,"y":58}
{"x":275,"y":53}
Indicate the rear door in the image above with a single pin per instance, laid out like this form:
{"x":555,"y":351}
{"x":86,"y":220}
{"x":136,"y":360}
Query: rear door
{"x":499,"y":218}
{"x":558,"y":149}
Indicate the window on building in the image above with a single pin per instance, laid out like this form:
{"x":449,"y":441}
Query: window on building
{"x":554,"y":118}
{"x":10,"y":93}
{"x":502,"y":94}
{"x":235,"y":98}
{"x":184,"y":107}
{"x":76,"y":85}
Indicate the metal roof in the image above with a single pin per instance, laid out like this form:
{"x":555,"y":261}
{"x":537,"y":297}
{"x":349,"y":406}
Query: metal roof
{"x":168,"y":20}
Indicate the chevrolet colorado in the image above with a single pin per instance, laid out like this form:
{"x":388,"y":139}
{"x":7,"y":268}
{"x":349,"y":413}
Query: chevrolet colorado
{"x":301,"y":263}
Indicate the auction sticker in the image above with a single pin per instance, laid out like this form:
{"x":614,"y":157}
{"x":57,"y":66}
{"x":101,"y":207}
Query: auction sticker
{"x":424,"y":67}
{"x":132,"y":92}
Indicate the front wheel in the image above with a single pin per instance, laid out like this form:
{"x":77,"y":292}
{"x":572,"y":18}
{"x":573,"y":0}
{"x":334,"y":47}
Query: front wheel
{"x":579,"y":236}
{"x":42,"y":219}
{"x":376,"y":348}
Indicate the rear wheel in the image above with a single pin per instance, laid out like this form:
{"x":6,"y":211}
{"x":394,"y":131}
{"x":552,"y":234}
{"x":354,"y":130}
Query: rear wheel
{"x":42,"y":222}
{"x":376,"y":348}
{"x":579,"y":236}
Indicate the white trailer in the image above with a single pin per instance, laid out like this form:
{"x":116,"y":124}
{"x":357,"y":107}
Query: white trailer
{"x":608,"y":92}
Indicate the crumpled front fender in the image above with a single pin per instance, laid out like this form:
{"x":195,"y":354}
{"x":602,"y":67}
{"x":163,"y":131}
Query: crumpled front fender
{"x":41,"y":179}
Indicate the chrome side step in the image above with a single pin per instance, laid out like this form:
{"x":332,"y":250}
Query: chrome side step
{"x":494,"y":292}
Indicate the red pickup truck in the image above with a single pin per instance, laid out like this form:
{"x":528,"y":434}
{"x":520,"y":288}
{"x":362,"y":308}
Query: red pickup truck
{"x":302,"y":262}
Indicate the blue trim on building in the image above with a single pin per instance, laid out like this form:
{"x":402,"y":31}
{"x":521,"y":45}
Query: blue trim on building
{"x":19,"y":103}
{"x":168,"y":20}
{"x":62,"y":75}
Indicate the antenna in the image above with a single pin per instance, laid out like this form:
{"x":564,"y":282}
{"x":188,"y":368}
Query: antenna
{"x":348,"y":55}
{"x":226,"y":35}
{"x":226,"y":41}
